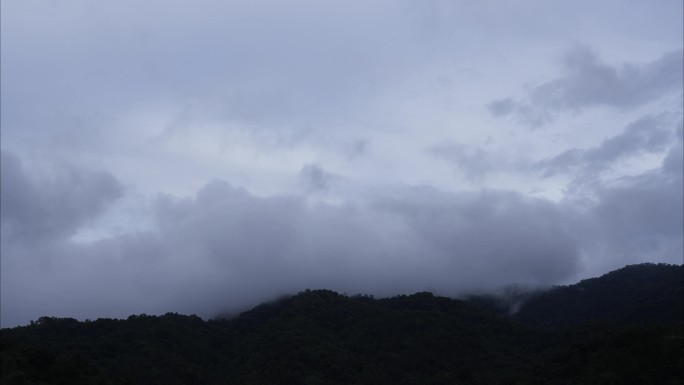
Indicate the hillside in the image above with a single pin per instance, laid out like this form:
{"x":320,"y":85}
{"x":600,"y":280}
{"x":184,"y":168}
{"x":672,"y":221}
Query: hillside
{"x":321,"y":337}
{"x":645,"y":294}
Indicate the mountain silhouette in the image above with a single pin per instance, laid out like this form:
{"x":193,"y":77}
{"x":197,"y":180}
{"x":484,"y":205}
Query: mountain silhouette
{"x":620,"y":328}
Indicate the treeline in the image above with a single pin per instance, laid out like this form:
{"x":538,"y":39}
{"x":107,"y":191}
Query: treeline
{"x":321,"y":337}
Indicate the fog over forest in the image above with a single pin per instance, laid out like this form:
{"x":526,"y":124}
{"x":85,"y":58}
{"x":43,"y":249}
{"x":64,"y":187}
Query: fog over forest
{"x":203,"y":157}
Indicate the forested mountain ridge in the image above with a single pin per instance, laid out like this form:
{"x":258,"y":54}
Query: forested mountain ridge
{"x":322,"y":337}
{"x":635,"y":295}
{"x":644,"y":294}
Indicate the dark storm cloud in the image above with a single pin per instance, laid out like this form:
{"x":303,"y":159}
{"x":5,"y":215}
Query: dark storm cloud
{"x":646,"y":135}
{"x":34,"y":211}
{"x":226,"y":248}
{"x":587,"y":82}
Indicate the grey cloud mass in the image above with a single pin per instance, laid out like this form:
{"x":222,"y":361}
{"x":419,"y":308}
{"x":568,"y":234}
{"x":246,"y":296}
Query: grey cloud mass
{"x":587,"y":82}
{"x":34,"y":211}
{"x":639,"y":217}
{"x":203,"y":157}
{"x":646,"y":135}
{"x":227,"y":247}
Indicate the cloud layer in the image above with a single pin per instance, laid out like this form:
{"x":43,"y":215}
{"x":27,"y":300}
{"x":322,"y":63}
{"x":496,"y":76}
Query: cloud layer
{"x":226,"y":249}
{"x":167,"y":156}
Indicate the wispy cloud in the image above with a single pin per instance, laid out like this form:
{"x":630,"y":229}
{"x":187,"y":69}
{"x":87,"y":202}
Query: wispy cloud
{"x":587,"y":82}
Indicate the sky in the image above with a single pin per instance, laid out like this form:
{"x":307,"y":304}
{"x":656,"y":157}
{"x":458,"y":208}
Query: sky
{"x":204,"y":156}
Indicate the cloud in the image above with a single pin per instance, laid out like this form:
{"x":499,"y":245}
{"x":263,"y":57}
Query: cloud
{"x":391,"y":243}
{"x":476,"y":162}
{"x":225,"y":248}
{"x":342,"y":99}
{"x":268,"y":65}
{"x":357,"y":148}
{"x":314,"y":178}
{"x":472,"y":161}
{"x":501,"y":107}
{"x":647,"y":135}
{"x":588,"y":83}
{"x":637,"y":219}
{"x":52,"y":208}
{"x":512,"y":237}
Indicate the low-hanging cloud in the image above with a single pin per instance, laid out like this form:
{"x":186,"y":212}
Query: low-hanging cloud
{"x":637,"y":219}
{"x":225,"y":248}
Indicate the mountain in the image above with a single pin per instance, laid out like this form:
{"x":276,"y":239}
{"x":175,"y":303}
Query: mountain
{"x":645,"y":294}
{"x":322,"y":337}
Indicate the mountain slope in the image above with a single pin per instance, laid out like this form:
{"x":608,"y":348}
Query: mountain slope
{"x":645,"y":294}
{"x":315,"y":337}
{"x":406,"y":339}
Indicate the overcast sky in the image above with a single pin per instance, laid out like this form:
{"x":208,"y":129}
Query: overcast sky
{"x":203,"y":156}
